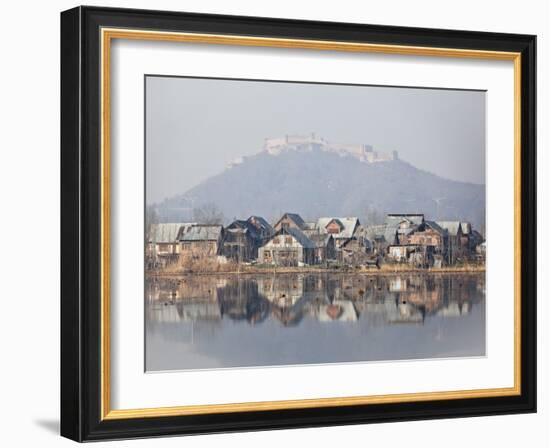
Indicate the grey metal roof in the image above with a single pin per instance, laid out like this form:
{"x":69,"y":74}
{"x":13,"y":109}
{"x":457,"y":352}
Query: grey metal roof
{"x":184,"y":228}
{"x":166,"y":232}
{"x":375,"y":231}
{"x":202,"y":232}
{"x":451,"y":226}
{"x":320,"y":239}
{"x":296,"y":218}
{"x":349,"y":223}
{"x":298,"y":235}
{"x":389,"y":234}
{"x":414,"y":218}
{"x":434,"y":225}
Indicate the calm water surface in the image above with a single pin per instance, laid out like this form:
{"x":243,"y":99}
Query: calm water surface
{"x":205,"y":322}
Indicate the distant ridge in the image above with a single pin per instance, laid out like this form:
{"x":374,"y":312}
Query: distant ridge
{"x":315,"y":182}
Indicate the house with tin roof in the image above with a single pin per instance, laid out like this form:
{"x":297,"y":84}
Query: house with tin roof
{"x":163,"y":241}
{"x":202,"y":240}
{"x":342,"y":229}
{"x":289,"y":246}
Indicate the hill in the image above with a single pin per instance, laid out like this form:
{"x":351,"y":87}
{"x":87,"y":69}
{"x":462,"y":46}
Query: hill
{"x":319,"y":183}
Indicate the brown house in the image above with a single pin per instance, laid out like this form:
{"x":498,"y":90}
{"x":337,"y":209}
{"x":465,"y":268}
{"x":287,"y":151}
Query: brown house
{"x":290,"y":220}
{"x":263,"y":228}
{"x":431,"y":242}
{"x":202,"y":240}
{"x":241,"y":241}
{"x":289,"y":246}
{"x":341,"y":228}
{"x":163,"y":242}
{"x":325,"y":248}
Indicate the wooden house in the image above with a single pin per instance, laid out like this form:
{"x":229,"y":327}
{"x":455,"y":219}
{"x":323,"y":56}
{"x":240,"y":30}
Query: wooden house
{"x":241,"y":241}
{"x":202,"y":240}
{"x":325,"y":248}
{"x":263,"y":228}
{"x":403,"y":225}
{"x":474,"y":241}
{"x":432,"y":242}
{"x":290,"y":220}
{"x":379,"y":238}
{"x":400,"y":253}
{"x":163,"y":242}
{"x":471,"y":238}
{"x":341,"y":229}
{"x":289,"y":246}
{"x":458,"y":241}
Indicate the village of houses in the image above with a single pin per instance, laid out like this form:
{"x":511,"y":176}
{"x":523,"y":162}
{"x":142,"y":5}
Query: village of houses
{"x":408,"y":241}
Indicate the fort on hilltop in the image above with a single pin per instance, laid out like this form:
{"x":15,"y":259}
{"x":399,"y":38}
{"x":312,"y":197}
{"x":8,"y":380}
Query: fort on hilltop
{"x":311,"y":142}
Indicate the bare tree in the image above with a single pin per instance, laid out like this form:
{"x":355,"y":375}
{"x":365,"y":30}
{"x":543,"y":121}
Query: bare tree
{"x":373,"y":216}
{"x":208,"y":213}
{"x":151,"y":217}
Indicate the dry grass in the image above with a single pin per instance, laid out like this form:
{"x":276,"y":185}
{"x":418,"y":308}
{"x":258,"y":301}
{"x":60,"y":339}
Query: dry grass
{"x":188,"y":264}
{"x":212,"y":265}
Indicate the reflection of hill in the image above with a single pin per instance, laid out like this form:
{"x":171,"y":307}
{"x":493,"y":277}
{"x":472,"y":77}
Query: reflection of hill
{"x":291,"y":298}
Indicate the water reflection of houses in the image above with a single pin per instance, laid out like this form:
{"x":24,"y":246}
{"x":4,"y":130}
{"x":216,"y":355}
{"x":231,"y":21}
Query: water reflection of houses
{"x":291,"y":298}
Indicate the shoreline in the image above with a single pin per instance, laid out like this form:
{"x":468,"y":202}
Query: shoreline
{"x":471,"y":270}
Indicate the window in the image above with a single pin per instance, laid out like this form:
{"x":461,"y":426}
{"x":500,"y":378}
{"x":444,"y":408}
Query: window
{"x":288,"y":240}
{"x":276,"y":240}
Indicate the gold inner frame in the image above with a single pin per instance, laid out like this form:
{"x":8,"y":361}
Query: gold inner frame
{"x":107,"y":35}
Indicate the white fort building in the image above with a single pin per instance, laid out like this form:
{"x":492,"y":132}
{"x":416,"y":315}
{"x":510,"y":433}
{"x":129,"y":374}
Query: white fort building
{"x":310,"y":142}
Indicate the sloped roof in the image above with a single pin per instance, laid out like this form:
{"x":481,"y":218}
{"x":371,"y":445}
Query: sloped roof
{"x":466,"y":227}
{"x":389,"y":234}
{"x":451,"y":226}
{"x":202,"y":232}
{"x":294,"y":217}
{"x":166,"y":232}
{"x":349,"y":223}
{"x":298,"y":235}
{"x":240,"y":225}
{"x":414,"y":218}
{"x":374,"y":231}
{"x":259,"y":222}
{"x":435,"y":226}
{"x":477,"y":235}
{"x":320,"y":239}
{"x":184,"y":228}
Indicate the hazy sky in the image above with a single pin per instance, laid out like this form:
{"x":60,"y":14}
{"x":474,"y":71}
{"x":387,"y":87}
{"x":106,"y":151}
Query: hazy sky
{"x":194,"y":127}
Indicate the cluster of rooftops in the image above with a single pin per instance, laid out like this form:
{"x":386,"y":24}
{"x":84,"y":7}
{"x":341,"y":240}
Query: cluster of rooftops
{"x":291,"y":240}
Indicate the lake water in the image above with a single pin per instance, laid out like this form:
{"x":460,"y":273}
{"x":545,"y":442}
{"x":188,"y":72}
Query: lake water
{"x":206,"y":322}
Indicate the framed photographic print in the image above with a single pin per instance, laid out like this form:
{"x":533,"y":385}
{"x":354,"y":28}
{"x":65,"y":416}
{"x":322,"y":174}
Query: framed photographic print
{"x":274,"y":223}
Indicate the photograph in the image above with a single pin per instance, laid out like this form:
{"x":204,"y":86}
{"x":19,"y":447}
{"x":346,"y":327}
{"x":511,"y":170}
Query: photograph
{"x":273,"y":222}
{"x":299,"y":223}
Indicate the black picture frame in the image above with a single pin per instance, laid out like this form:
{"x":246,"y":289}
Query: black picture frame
{"x":81,"y":224}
